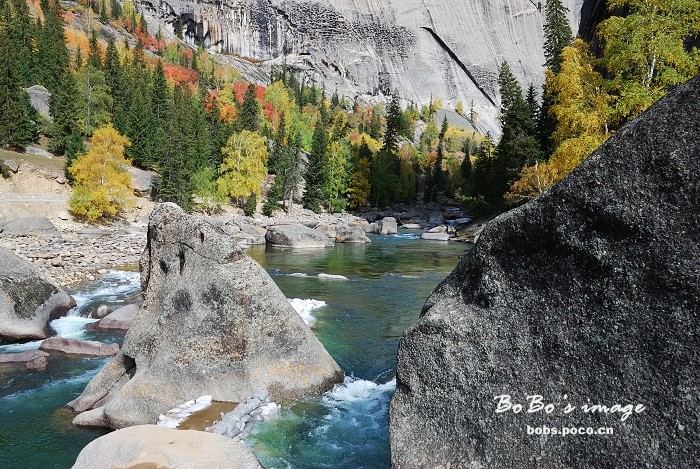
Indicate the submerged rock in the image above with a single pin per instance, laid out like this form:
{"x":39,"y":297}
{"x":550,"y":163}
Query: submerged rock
{"x":588,"y":295}
{"x":28,"y":301}
{"x":152,"y":446}
{"x":213,"y":323}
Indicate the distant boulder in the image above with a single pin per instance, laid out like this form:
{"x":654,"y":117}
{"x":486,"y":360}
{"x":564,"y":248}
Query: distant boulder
{"x":34,"y":226}
{"x":388,"y":226}
{"x":28,"y":301}
{"x":40,"y":99}
{"x":141,"y":181}
{"x":588,"y":297}
{"x":296,"y":236}
{"x":213,"y":323}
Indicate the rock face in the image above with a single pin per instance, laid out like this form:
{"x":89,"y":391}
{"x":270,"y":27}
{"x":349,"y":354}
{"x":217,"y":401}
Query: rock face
{"x":588,"y":294}
{"x":213,"y":323}
{"x":422,"y":48}
{"x":39,"y":226}
{"x":28,"y":301}
{"x":89,"y":348}
{"x":152,"y":446}
{"x":296,"y":236}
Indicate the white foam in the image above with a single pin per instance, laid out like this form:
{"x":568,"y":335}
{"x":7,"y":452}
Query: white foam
{"x":331,"y":277}
{"x":16,"y":348}
{"x":174,"y":417}
{"x":71,"y":327}
{"x":406,"y":236}
{"x":353,"y":390}
{"x":112,"y":287}
{"x":305,"y":307}
{"x":319,"y":276}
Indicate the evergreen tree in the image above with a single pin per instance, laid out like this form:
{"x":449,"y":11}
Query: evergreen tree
{"x":115,"y":9}
{"x":74,"y":147}
{"x":22,"y":33}
{"x":103,"y":12}
{"x":249,"y":114}
{"x":161,"y":101}
{"x":94,"y":52}
{"x":393,"y":126}
{"x":557,"y":34}
{"x":531,"y":100}
{"x":53,"y":53}
{"x":140,"y":129}
{"x":17,"y":129}
{"x":178,"y":27}
{"x":65,"y":112}
{"x":316,"y":168}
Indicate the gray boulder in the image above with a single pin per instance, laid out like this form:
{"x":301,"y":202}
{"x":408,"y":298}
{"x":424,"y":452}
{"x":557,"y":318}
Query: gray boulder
{"x":588,"y":294}
{"x":31,"y":359}
{"x":101,"y":311}
{"x":28,"y":301}
{"x":120,"y":319}
{"x":29,"y":226}
{"x":11,"y":165}
{"x":213,"y":323}
{"x":388,"y":226}
{"x":296,"y":236}
{"x":151,"y":446}
{"x":40,"y":98}
{"x":141,"y":181}
{"x":439,"y":236}
{"x":351,"y":234}
{"x":89,"y":348}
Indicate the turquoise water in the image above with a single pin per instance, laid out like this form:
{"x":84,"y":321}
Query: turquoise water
{"x":374,"y":293}
{"x":387,"y":284}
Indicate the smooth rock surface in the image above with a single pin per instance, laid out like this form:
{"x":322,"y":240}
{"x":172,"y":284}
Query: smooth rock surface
{"x":89,"y":348}
{"x":421,"y":48}
{"x":351,"y":234}
{"x":388,"y":226}
{"x":435,"y":236}
{"x":213,"y":323}
{"x":296,"y":236}
{"x":588,"y":294}
{"x":40,"y":99}
{"x":28,"y":301}
{"x":155,"y":447}
{"x":141,"y":181}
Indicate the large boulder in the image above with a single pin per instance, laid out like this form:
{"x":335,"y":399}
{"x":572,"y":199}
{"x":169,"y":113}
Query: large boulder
{"x":588,"y":295}
{"x":141,"y":181}
{"x":90,"y":348}
{"x":388,"y":226}
{"x":40,"y":99}
{"x":296,"y":236}
{"x":36,"y":226}
{"x":213,"y":323}
{"x":118,"y":320}
{"x":152,"y":446}
{"x":353,"y":233}
{"x":28,"y":301}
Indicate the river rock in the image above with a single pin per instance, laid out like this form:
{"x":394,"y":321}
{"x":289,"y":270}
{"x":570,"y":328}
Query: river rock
{"x":120,"y":319}
{"x":296,"y":236}
{"x":331,"y":231}
{"x":588,"y":294}
{"x":35,"y":226}
{"x":388,"y":226}
{"x":101,"y":311}
{"x":90,"y":348}
{"x":435,"y":236}
{"x":31,"y":359}
{"x":213,"y":323}
{"x":153,"y":446}
{"x":351,"y":234}
{"x":28,"y":301}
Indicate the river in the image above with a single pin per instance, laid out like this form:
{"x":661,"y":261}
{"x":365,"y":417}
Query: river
{"x":358,"y":300}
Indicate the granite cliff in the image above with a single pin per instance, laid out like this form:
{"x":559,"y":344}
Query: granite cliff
{"x":586,"y":296}
{"x":369,"y":48}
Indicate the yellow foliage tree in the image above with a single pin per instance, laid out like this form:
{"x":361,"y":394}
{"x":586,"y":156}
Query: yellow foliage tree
{"x":102,"y":187}
{"x":360,"y":186}
{"x":582,"y":110}
{"x":244,"y":165}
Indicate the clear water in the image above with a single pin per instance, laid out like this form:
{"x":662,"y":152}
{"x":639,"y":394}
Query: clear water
{"x":372,"y":293}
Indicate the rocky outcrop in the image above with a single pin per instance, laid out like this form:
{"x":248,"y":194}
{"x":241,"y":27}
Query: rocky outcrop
{"x":90,"y":348}
{"x":29,"y":226}
{"x":587,"y":295}
{"x":152,"y":446}
{"x":31,"y":359}
{"x":213,"y":323}
{"x":296,"y":236}
{"x":422,"y":48}
{"x":28,"y":301}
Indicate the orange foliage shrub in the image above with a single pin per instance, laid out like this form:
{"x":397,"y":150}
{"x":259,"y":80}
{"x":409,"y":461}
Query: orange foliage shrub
{"x":178,"y":75}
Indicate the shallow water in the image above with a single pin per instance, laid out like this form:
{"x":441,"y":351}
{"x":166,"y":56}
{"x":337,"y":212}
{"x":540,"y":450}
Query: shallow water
{"x":358,"y":298}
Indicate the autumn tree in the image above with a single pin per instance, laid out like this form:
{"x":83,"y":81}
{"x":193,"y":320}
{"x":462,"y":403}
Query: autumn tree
{"x":244,"y":165}
{"x":645,"y":51}
{"x":102,"y":185}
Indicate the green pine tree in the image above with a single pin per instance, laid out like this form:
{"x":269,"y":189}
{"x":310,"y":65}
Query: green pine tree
{"x":249,"y":113}
{"x":557,"y":33}
{"x":94,"y":52}
{"x":316,"y":168}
